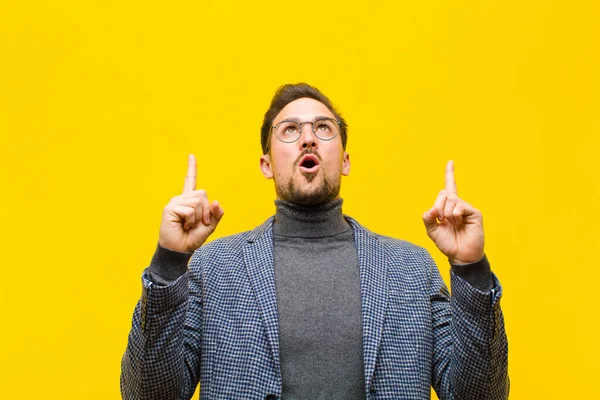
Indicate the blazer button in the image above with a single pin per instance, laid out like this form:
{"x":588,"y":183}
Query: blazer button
{"x":270,"y":397}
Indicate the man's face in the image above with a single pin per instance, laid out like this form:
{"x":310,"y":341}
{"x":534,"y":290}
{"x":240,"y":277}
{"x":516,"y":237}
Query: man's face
{"x":309,"y":170}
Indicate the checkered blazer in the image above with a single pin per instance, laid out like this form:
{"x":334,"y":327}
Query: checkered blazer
{"x":217,"y":325}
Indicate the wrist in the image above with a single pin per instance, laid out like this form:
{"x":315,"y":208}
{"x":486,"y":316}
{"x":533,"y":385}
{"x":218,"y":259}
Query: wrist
{"x":466,"y":261}
{"x":169,"y":264}
{"x":477,"y":274}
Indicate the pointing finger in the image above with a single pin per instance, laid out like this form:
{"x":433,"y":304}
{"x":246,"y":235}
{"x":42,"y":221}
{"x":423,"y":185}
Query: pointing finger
{"x":450,"y":183}
{"x":190,"y":179}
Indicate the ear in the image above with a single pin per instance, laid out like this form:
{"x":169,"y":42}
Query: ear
{"x":346,"y":164}
{"x":265,"y":166}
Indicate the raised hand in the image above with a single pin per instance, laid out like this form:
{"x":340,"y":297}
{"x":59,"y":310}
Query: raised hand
{"x":189,"y":219}
{"x":454,"y":225}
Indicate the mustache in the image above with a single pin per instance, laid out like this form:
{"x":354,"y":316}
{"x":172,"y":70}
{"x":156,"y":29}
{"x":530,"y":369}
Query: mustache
{"x":306,"y":151}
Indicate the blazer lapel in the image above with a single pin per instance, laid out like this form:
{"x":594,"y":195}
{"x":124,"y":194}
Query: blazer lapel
{"x":373,"y":286}
{"x":258,"y":256}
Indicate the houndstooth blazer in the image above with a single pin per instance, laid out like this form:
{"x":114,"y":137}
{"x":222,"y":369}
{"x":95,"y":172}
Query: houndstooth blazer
{"x":217,"y":325}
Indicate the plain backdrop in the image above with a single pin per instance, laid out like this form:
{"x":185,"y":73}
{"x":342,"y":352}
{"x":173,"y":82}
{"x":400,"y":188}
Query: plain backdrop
{"x":102,"y":101}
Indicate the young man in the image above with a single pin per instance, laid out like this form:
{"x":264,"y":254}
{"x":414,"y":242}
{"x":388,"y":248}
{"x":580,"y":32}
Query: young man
{"x":312,"y":305}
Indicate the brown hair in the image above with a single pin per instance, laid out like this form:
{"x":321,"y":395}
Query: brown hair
{"x":285,"y":95}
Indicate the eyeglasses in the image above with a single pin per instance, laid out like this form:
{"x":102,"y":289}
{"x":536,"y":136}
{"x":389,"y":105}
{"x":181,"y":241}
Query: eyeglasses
{"x":289,"y":131}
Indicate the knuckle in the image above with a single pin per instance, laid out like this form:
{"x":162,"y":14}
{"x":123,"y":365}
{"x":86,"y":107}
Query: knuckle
{"x":196,"y":202}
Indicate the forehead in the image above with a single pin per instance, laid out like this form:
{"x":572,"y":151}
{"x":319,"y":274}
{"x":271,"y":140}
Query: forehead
{"x":305,"y":109}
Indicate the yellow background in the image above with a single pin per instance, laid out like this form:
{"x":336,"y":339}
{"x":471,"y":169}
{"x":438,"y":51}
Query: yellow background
{"x":101,"y":101}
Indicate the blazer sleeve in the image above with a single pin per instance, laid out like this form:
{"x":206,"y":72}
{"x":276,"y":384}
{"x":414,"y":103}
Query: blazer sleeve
{"x":162,"y":358}
{"x":470,"y":358}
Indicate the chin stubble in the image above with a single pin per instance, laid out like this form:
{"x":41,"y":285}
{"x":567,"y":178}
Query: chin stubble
{"x":325,"y":192}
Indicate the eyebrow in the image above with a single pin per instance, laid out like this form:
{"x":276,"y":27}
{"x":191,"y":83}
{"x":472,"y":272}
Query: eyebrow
{"x":296,"y":119}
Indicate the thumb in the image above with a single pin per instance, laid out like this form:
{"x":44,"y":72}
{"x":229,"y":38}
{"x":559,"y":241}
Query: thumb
{"x":430,"y":219}
{"x":216,"y":213}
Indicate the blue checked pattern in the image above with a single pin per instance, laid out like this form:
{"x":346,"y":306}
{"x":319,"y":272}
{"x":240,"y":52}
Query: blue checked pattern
{"x":217,"y":325}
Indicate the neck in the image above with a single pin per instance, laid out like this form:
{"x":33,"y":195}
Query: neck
{"x":321,"y":220}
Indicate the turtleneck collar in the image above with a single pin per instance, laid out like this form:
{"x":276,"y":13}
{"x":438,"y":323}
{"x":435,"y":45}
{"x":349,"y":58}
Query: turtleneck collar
{"x":321,"y":220}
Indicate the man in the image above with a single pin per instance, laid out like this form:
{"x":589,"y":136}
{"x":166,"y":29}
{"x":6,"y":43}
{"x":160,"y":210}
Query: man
{"x":312,"y":305}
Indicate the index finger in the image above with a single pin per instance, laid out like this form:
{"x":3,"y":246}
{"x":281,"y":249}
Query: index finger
{"x":450,"y":183}
{"x":190,"y":179}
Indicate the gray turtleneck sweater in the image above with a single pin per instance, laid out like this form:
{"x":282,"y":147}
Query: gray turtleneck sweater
{"x":317,"y":284}
{"x":318,"y":301}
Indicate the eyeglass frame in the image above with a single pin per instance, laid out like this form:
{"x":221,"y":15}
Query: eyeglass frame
{"x":312,"y":128}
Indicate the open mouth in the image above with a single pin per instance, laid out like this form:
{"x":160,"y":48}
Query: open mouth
{"x":309,"y":164}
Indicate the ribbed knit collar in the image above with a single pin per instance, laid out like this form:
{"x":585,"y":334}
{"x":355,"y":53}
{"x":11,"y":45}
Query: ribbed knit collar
{"x":295,"y":220}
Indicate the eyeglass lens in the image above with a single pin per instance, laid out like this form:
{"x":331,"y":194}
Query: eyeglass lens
{"x":290,"y":131}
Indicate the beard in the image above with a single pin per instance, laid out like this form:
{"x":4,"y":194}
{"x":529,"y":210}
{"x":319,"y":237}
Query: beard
{"x":326,"y":191}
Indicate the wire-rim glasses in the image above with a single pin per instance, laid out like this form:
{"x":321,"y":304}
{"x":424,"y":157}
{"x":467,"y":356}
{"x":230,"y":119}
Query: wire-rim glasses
{"x":290,"y":130}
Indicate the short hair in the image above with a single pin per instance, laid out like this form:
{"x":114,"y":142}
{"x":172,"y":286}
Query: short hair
{"x":285,"y":95}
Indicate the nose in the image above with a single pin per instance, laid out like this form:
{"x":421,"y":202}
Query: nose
{"x":307,"y":137}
